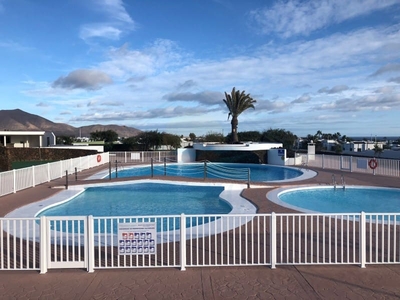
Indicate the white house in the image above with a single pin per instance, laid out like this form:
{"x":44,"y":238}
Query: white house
{"x":26,"y":139}
{"x":360,"y":146}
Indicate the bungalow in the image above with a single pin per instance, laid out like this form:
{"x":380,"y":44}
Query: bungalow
{"x":26,"y":139}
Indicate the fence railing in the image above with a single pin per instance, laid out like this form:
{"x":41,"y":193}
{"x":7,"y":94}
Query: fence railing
{"x":199,"y":240}
{"x":20,"y":179}
{"x":376,"y":166}
{"x":137,"y":157}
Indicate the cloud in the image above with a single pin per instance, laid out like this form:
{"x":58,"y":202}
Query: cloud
{"x":83,"y":79}
{"x":372,"y":102}
{"x":101,"y":30}
{"x":303,"y":99}
{"x":296,"y":17}
{"x":392,"y":67}
{"x":42,"y":104}
{"x":206,"y":97}
{"x":385,"y":90}
{"x":117,"y":21}
{"x":336,"y":89}
{"x":186,"y":85}
{"x":157,"y":113}
{"x":394,"y":79}
{"x":115,"y":9}
{"x":270,"y":106}
{"x":1,"y":6}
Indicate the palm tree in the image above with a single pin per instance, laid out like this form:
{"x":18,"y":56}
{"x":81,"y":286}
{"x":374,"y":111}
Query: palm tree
{"x":237,"y":102}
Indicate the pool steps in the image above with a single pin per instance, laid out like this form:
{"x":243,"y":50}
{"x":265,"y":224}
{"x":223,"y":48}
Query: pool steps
{"x":334,"y":183}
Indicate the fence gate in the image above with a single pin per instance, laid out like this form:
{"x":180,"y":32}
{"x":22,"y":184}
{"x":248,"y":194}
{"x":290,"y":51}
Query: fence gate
{"x":345,"y":163}
{"x":67,"y":242}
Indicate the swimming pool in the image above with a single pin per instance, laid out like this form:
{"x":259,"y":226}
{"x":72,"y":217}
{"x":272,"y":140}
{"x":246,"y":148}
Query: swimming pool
{"x":144,"y":199}
{"x":236,"y":171}
{"x":327,"y":199}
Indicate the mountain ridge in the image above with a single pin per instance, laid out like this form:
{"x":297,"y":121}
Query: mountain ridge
{"x":19,"y":120}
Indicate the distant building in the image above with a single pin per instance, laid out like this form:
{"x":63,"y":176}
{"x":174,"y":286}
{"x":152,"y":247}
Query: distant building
{"x":26,"y":139}
{"x":360,"y":146}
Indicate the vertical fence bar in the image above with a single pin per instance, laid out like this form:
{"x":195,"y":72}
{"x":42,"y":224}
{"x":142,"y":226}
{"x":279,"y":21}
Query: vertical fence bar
{"x":43,"y":244}
{"x":90,"y":243}
{"x":363,"y":236}
{"x":273,"y":243}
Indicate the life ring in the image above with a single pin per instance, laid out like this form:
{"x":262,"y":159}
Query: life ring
{"x":99,"y":158}
{"x":373,"y":163}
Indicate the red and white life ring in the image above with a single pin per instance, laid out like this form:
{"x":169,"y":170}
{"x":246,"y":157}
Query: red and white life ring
{"x":373,"y":163}
{"x":99,"y":158}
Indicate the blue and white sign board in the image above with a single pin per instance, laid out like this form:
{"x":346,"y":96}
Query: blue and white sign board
{"x":137,"y":238}
{"x":281,"y":152}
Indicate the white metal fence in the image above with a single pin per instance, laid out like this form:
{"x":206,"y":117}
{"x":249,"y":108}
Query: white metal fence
{"x":19,"y":179}
{"x":137,"y":157}
{"x":380,"y":166}
{"x":200,"y":241}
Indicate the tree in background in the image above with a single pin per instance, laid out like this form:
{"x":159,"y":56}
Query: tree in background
{"x":214,"y":137}
{"x":107,"y":136}
{"x":192,"y":136}
{"x":171,"y":140}
{"x":287,"y":138}
{"x":237,"y":102}
{"x":64,"y":140}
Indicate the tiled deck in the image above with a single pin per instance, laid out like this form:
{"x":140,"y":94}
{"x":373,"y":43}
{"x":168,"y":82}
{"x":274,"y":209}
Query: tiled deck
{"x":284,"y":282}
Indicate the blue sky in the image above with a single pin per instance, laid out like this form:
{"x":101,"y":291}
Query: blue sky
{"x":329,"y":65}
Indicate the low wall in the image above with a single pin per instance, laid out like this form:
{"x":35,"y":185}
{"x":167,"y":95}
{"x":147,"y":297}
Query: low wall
{"x":10,"y":155}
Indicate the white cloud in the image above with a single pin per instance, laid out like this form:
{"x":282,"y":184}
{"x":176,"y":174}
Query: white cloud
{"x":334,"y":90}
{"x":83,"y":79}
{"x":100,"y":30}
{"x":296,"y":17}
{"x":392,"y":67}
{"x":117,"y":21}
{"x":303,"y":99}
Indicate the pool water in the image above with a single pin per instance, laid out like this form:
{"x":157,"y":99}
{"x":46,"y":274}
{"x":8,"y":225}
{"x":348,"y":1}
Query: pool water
{"x":348,"y":200}
{"x":145,"y":199}
{"x":214,"y":170}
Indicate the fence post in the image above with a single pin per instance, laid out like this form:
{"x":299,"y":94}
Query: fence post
{"x":66,"y":179}
{"x":90,"y":244}
{"x":33,"y":176}
{"x":351,"y":164}
{"x":76,"y":174}
{"x":14,"y":181}
{"x":205,"y":170}
{"x":116,"y":168}
{"x":273,"y":244}
{"x":109,"y":170}
{"x":152,"y":171}
{"x":183,"y":242}
{"x":43,"y":245}
{"x":363,"y":242}
{"x":323,"y":162}
{"x":165,"y":166}
{"x":248,"y":178}
{"x":48,"y":172}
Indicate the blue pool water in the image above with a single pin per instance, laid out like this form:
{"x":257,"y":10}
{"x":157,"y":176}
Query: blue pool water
{"x":214,"y":170}
{"x":145,"y":199}
{"x":349,"y":200}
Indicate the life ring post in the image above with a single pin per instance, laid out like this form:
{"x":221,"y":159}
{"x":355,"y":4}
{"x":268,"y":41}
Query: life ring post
{"x":98,"y":158}
{"x":373,"y":163}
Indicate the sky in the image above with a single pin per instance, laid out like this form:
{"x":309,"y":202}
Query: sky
{"x":328,"y":65}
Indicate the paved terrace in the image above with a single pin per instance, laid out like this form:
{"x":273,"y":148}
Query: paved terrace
{"x":257,"y":282}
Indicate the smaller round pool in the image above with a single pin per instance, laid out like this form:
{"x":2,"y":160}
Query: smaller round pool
{"x":330,"y":200}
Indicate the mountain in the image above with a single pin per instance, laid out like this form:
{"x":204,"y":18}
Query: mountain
{"x":20,"y":120}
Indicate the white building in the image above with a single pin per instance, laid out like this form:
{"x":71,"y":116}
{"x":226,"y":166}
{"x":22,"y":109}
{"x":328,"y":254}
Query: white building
{"x":26,"y":139}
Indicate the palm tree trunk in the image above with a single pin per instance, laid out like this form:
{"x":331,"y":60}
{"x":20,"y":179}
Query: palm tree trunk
{"x":234,"y":125}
